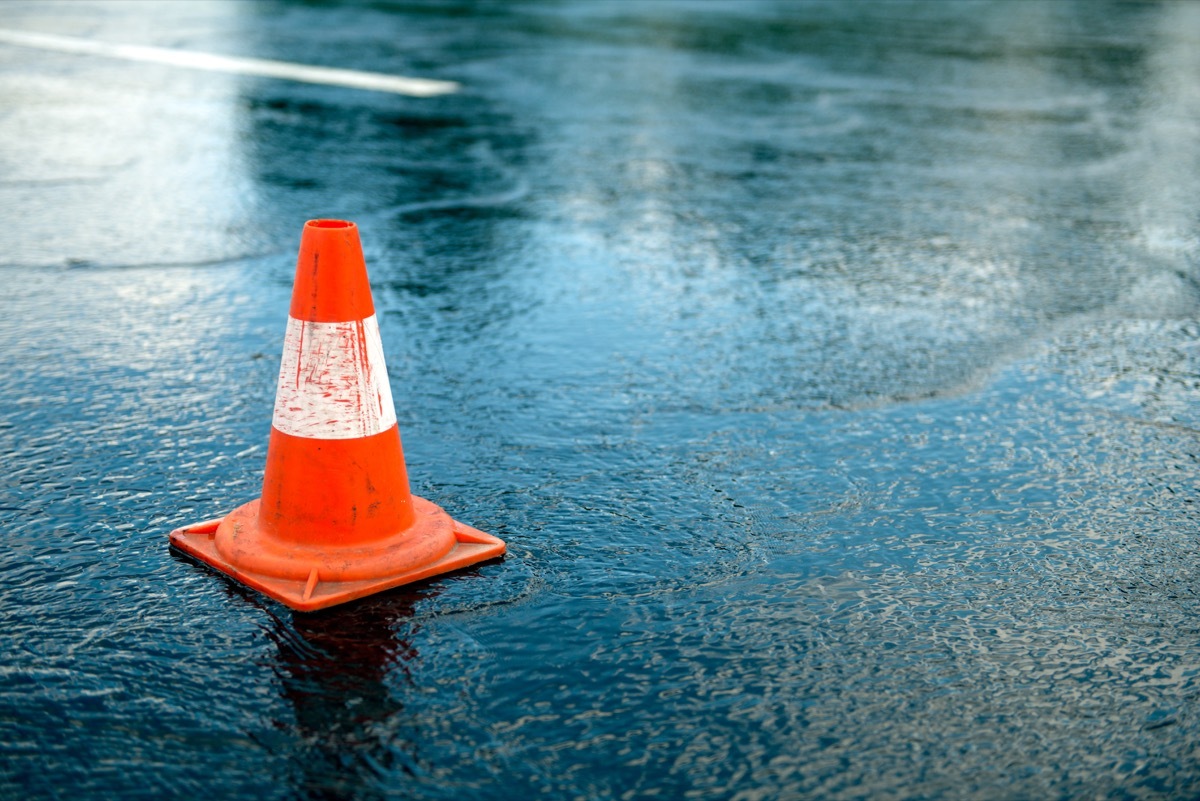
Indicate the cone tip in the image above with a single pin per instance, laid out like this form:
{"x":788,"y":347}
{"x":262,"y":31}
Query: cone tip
{"x":331,"y":277}
{"x":329,"y":224}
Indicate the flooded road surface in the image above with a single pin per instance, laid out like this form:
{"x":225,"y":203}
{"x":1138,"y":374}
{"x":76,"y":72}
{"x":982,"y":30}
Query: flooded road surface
{"x":831,"y":370}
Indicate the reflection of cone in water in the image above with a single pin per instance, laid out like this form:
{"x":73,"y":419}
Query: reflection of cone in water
{"x":340,"y":671}
{"x":336,"y":520}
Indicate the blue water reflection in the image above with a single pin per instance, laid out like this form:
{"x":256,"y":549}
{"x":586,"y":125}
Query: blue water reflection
{"x":830,"y":369}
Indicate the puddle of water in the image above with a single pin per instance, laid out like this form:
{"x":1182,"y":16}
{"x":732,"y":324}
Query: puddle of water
{"x":830,"y":371}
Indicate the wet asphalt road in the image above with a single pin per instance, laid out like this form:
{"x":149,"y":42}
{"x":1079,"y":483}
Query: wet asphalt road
{"x":830,"y":369}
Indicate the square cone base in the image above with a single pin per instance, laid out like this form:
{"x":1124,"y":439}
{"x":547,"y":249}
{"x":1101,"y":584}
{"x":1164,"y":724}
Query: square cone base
{"x":472,"y":546}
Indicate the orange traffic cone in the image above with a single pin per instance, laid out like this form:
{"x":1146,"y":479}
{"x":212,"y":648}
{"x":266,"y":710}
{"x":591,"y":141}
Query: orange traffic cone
{"x":336,"y":520}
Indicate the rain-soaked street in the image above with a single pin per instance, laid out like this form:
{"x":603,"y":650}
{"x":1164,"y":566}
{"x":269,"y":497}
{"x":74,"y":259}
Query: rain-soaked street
{"x":832,"y":371}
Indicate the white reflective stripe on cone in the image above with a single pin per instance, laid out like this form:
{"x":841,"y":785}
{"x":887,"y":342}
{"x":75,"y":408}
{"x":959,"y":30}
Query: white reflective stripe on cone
{"x":333,"y":383}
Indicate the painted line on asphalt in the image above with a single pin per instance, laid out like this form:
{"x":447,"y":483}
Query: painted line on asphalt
{"x":354,"y":79}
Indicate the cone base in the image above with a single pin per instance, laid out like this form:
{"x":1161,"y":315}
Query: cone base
{"x":199,"y":541}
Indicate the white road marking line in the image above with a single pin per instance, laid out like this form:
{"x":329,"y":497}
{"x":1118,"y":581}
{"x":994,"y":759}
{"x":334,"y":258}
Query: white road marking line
{"x":372,"y":81}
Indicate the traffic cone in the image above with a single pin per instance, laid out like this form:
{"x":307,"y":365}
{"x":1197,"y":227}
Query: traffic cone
{"x":336,"y":520}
